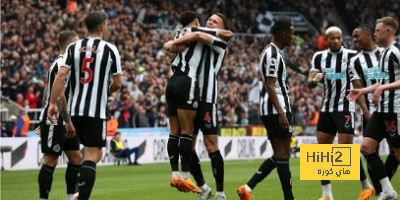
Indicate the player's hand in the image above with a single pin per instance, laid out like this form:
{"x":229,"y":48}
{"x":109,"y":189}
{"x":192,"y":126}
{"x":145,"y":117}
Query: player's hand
{"x":283,"y":121}
{"x":38,"y":131}
{"x":168,"y":45}
{"x":377,"y":95}
{"x":319,"y":77}
{"x":70,"y":130}
{"x":367,"y":116}
{"x":354,"y":94}
{"x":180,"y":48}
{"x":53,"y":110}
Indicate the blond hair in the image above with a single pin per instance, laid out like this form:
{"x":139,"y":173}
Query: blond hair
{"x":389,"y":21}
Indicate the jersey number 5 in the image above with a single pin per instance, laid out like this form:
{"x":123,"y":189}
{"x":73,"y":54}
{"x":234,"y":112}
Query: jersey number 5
{"x":86,"y":68}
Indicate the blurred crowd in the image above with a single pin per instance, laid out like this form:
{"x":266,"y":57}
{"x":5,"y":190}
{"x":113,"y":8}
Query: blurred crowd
{"x":139,"y":29}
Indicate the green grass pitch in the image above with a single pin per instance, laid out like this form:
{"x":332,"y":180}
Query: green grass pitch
{"x":151,"y":181}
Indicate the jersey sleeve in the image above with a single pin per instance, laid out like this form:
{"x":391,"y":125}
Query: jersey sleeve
{"x":270,"y":63}
{"x":116,"y":68}
{"x":352,"y":70}
{"x":218,"y":45}
{"x":67,"y":58}
{"x":316,"y":63}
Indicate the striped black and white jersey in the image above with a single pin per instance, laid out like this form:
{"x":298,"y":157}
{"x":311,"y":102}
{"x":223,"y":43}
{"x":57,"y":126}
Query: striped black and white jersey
{"x":389,"y":62}
{"x":336,"y":80}
{"x":208,"y":73}
{"x":51,"y":75}
{"x":188,"y":61}
{"x":91,"y":61}
{"x":272,"y":64}
{"x":365,"y":67}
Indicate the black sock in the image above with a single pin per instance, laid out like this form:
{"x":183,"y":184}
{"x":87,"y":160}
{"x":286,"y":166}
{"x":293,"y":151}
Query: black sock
{"x":265,"y":168}
{"x":376,"y":183}
{"x":71,"y":177}
{"x":391,"y":164}
{"x":185,"y":151}
{"x":173,"y":151}
{"x":325,"y":182}
{"x":282,"y":166}
{"x":362,"y":173}
{"x":217,"y":165}
{"x":45,"y":180}
{"x":195,"y":169}
{"x":87,"y":176}
{"x":376,"y":165}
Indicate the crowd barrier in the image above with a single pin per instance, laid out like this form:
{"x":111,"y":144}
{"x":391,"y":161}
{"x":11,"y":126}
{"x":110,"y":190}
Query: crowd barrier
{"x":26,"y":154}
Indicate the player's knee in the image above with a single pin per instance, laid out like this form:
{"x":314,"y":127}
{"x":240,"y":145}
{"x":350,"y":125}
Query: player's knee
{"x":366,"y":149}
{"x":50,"y":160}
{"x":75,"y":158}
{"x":282,"y":155}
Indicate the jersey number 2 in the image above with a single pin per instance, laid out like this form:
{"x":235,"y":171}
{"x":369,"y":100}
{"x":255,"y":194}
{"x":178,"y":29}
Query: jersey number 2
{"x":86,"y":68}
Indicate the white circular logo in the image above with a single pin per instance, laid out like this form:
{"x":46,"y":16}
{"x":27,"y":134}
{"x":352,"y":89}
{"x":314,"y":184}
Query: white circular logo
{"x":195,"y":104}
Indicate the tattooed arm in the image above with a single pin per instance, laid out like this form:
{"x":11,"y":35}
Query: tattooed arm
{"x":63,"y":109}
{"x":44,"y":96}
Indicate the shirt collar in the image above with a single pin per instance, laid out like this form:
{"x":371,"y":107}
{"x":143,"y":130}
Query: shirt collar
{"x":341,"y":49}
{"x":280,"y":50}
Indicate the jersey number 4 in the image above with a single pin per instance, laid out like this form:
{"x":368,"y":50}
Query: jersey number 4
{"x":86,"y":69}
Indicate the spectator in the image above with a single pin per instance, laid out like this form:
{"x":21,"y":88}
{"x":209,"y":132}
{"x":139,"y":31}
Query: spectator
{"x":119,"y":151}
{"x":21,"y":128}
{"x":32,"y":98}
{"x":7,"y":127}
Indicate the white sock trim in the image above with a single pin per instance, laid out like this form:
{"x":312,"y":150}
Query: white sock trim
{"x":248,"y":188}
{"x":327,"y":190}
{"x":386,"y":185}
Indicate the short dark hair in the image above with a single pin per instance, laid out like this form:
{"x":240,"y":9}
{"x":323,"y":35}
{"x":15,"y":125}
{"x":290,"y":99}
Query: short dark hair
{"x":187,"y":17}
{"x":65,"y":38}
{"x":279,"y":26}
{"x":224,"y":21}
{"x":366,"y":28}
{"x":94,"y":20}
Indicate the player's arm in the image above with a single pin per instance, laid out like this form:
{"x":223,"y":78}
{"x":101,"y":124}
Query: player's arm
{"x":116,"y":84}
{"x":62,"y":106}
{"x":361,"y":100}
{"x":315,"y":75}
{"x":60,"y":82}
{"x":57,"y":88}
{"x":116,"y":70}
{"x":44,"y":94}
{"x":222,"y":33}
{"x":194,"y":36}
{"x":273,"y":97}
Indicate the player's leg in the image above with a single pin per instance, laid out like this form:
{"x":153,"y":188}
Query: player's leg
{"x":326,"y":131}
{"x":186,"y":121}
{"x":271,"y":124}
{"x":52,"y":139}
{"x":195,"y":166}
{"x":45,"y":177}
{"x":92,"y":134}
{"x":71,"y":150}
{"x":392,"y":161}
{"x":282,"y":155}
{"x":71,"y":174}
{"x":374,"y":133}
{"x":173,"y":140}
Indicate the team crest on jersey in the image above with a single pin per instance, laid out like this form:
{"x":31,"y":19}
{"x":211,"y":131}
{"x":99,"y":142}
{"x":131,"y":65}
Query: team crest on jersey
{"x":57,"y":148}
{"x":272,"y":61}
{"x":195,"y":104}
